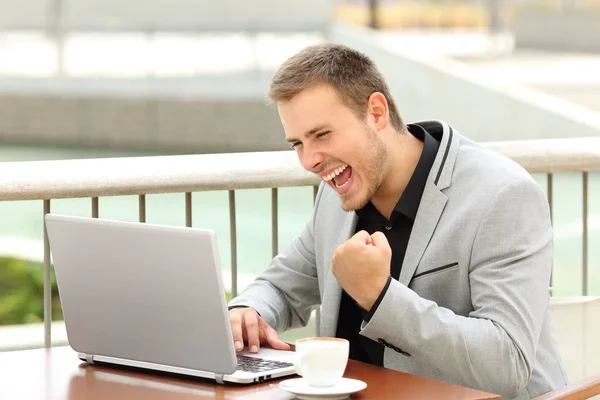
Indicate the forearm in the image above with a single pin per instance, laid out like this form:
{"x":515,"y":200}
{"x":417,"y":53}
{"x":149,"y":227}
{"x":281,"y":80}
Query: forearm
{"x":469,"y":351}
{"x":285,"y":293}
{"x":266,"y":300}
{"x":280,"y":309}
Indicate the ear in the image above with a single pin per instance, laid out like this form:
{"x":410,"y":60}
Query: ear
{"x":377,"y":110}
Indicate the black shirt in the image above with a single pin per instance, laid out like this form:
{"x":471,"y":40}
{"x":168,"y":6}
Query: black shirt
{"x":397,"y":231}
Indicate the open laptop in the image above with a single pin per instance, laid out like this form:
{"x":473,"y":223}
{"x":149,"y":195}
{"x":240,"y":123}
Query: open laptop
{"x":150,"y":296}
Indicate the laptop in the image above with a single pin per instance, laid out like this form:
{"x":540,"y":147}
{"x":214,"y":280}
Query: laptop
{"x":152,"y":297}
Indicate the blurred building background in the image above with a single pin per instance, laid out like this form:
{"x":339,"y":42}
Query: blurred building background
{"x":160,"y":76}
{"x":107,"y":78}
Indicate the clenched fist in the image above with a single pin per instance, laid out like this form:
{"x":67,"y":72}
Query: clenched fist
{"x":362,"y":266}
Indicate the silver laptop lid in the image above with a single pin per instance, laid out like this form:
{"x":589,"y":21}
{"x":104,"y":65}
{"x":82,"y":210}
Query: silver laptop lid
{"x":142,"y":292}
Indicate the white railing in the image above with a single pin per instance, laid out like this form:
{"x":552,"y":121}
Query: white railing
{"x":93,"y":178}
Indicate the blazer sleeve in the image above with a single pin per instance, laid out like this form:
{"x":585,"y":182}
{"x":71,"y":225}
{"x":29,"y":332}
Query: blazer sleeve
{"x":494,"y":347}
{"x":285,"y":293}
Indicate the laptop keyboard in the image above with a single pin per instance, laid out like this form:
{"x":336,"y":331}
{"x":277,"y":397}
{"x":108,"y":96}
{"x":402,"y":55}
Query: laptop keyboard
{"x":254,"y":364}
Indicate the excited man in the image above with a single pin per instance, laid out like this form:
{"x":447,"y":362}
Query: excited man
{"x":429,"y":253}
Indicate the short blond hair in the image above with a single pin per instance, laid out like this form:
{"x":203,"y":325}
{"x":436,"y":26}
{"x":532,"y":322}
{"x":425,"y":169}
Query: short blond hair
{"x":353,"y":75}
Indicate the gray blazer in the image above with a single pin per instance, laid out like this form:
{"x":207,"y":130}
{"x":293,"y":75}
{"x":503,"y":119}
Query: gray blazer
{"x":471,"y":306}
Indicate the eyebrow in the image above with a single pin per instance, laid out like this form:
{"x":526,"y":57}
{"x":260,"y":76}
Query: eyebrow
{"x":309,"y":133}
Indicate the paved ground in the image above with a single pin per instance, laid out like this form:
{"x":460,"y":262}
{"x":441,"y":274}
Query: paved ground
{"x":574,"y":77}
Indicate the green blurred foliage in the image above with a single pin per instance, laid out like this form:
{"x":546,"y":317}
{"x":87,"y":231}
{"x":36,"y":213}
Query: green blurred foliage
{"x":22,"y":292}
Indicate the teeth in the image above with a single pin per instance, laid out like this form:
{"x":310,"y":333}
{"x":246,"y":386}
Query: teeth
{"x":335,"y":173}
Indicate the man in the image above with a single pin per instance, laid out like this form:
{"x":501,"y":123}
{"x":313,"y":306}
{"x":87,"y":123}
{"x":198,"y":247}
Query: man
{"x":429,"y":253}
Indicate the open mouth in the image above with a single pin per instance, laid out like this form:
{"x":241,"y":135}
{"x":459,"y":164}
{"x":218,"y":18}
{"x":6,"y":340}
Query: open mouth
{"x":340,"y":178}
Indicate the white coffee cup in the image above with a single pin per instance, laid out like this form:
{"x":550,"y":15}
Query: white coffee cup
{"x":321,"y":361}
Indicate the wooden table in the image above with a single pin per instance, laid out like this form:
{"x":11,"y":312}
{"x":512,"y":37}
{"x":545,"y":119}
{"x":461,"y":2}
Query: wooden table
{"x":57,"y":374}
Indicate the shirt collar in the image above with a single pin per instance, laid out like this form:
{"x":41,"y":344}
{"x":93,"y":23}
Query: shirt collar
{"x":411,"y":198}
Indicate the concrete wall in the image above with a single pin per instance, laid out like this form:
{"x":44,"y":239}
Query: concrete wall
{"x":478,"y":107}
{"x":570,"y":30}
{"x":197,"y":125}
{"x":202,"y":115}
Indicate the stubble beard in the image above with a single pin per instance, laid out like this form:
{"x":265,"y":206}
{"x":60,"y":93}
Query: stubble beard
{"x":372,"y":171}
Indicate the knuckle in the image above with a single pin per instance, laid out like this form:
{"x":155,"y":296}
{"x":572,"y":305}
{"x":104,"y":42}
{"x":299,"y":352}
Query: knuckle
{"x":250,"y":312}
{"x":251,"y":323}
{"x":235,"y":317}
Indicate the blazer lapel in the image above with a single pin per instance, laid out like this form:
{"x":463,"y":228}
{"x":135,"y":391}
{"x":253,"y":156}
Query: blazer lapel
{"x":332,"y":293}
{"x":433,"y":200}
{"x":426,"y":220}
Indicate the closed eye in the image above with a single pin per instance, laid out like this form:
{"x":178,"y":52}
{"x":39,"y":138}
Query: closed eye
{"x":318,"y":135}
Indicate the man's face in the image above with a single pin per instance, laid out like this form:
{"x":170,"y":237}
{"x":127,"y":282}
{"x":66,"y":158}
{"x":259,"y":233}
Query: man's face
{"x":332,"y":142}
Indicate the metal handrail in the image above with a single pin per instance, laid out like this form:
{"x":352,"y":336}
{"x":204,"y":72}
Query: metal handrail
{"x":56,"y":179}
{"x":38,"y":180}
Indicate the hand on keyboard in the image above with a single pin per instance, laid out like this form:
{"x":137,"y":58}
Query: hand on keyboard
{"x":249,"y":328}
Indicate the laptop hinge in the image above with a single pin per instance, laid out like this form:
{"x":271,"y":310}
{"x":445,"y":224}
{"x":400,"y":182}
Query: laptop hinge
{"x":219,"y":378}
{"x":89,"y":358}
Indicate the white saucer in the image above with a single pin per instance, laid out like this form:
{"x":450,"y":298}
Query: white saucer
{"x":344,"y":388}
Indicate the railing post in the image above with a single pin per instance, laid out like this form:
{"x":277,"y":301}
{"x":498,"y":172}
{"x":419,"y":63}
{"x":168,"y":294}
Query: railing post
{"x":550,"y":190}
{"x":142,"y":208}
{"x":550,"y":184}
{"x":585,"y":235}
{"x":188,"y":209}
{"x":47,"y":283}
{"x":274,"y":223}
{"x":95,"y":207}
{"x":318,"y":313}
{"x":233,"y":235}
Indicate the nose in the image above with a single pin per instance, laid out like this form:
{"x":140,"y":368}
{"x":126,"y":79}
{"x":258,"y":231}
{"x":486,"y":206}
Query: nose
{"x":311,"y":159}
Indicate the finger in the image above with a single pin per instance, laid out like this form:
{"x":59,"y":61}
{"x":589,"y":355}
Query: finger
{"x":362,"y":237}
{"x":251,"y":326}
{"x":273,"y":339}
{"x":380,"y":241}
{"x":235,"y":317}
